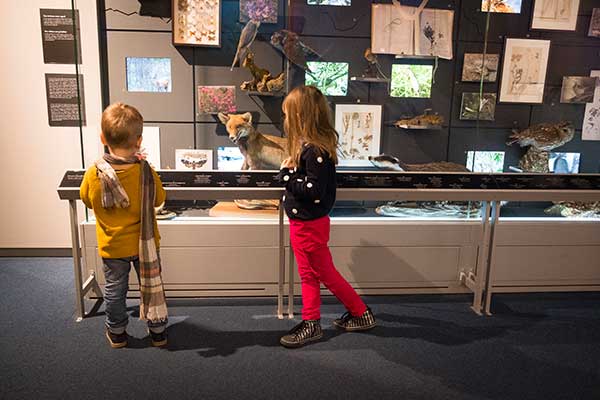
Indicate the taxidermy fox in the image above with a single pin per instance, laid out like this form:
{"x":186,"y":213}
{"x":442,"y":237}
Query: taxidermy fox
{"x":260,"y":151}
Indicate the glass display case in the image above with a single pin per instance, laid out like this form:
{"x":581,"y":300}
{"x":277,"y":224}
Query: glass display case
{"x":504,"y":90}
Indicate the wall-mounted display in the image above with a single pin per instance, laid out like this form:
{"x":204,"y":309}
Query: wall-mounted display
{"x":485,"y":161}
{"x":560,"y":15}
{"x":471,"y":102}
{"x":474,"y":64}
{"x":578,"y":89}
{"x":591,"y":119}
{"x":197,"y":22}
{"x":294,"y":49}
{"x":264,"y":11}
{"x":216,"y":99}
{"x":148,"y":74}
{"x":60,"y":35}
{"x":150,"y":146}
{"x":229,"y":159}
{"x":193,"y":159}
{"x":262,"y":80}
{"x":404,"y":30}
{"x":594,"y":30}
{"x":65,"y":100}
{"x":247,"y":36}
{"x":524,"y":70}
{"x":329,"y":2}
{"x":501,"y":6}
{"x":411,"y":80}
{"x":330,"y":77}
{"x":359,"y":127}
{"x":564,"y":163}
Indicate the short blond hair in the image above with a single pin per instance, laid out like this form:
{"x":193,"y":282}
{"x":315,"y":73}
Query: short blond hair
{"x":121,"y":125}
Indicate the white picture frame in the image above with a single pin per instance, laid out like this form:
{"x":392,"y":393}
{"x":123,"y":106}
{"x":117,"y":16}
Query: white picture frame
{"x":555,"y":15}
{"x":359,"y":127}
{"x":193,"y":159}
{"x":591,"y":118}
{"x":524,"y":71}
{"x":151,"y":145}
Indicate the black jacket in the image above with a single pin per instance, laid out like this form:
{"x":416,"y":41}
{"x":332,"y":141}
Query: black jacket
{"x":310,"y":187}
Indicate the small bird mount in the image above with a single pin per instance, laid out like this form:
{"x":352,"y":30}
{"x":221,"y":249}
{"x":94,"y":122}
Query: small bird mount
{"x":373,"y":72}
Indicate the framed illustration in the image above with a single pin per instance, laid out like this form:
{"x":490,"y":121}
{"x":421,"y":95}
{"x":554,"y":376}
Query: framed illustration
{"x":557,"y":15}
{"x":197,"y":23}
{"x":485,"y":161}
{"x":216,"y":99}
{"x":471,"y":102}
{"x":524,"y":71}
{"x":591,"y":118}
{"x":193,"y":159}
{"x":434,"y":36}
{"x":578,"y":89}
{"x":359,"y":127}
{"x":148,"y":74}
{"x":501,"y":6}
{"x":264,"y":11}
{"x":473,"y":65}
{"x":594,"y":30}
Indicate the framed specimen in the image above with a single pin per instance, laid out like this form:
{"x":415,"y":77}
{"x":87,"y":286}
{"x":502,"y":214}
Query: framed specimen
{"x":485,"y":161}
{"x":470,"y":103}
{"x":558,"y":15}
{"x":216,"y":99}
{"x":148,"y":74}
{"x":193,"y":159}
{"x":197,"y":23}
{"x":434,"y":33}
{"x":264,"y":11}
{"x":578,"y":89}
{"x":524,"y":71}
{"x":501,"y":6}
{"x":359,"y":127}
{"x":474,"y":64}
{"x":594,"y":30}
{"x":591,"y":119}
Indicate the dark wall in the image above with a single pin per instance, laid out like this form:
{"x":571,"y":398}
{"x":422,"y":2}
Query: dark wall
{"x":342,"y":34}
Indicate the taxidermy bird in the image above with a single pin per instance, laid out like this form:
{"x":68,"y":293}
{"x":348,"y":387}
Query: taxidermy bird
{"x":246,"y":38}
{"x":391,"y":163}
{"x":292,"y":47}
{"x":545,"y":136}
{"x":374,"y":67}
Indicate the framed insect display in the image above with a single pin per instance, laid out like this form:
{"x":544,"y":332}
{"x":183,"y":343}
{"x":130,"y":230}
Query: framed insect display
{"x":197,"y":23}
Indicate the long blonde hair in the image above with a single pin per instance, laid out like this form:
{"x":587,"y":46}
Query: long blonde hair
{"x":307,"y":119}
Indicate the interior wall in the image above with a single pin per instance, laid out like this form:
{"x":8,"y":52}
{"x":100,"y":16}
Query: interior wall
{"x":341,"y":34}
{"x":35,"y":155}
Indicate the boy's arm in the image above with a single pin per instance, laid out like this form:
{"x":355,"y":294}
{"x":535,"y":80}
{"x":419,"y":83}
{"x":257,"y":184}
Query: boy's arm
{"x":161,"y":195}
{"x":84,"y":189}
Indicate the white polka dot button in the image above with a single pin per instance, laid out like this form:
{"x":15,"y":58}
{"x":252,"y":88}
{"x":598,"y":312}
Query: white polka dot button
{"x":317,"y":201}
{"x":286,"y":178}
{"x":299,"y":180}
{"x":283,"y":197}
{"x":294,"y":211}
{"x":319,"y":160}
{"x":309,"y":185}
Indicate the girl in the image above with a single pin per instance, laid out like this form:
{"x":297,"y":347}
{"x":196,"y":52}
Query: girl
{"x":310,"y":185}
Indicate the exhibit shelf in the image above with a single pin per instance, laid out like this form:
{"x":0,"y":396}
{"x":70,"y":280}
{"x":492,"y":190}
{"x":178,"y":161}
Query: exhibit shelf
{"x":265,"y":94}
{"x":369,"y":80}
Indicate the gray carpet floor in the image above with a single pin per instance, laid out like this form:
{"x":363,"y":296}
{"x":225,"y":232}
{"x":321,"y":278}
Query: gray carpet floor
{"x":536,"y":346}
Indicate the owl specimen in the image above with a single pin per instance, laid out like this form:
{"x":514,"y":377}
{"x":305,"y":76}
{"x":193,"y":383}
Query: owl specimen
{"x":544,"y":136}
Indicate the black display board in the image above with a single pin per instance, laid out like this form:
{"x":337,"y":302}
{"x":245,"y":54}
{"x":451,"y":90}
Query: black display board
{"x":65,"y":99}
{"x":59,"y":36}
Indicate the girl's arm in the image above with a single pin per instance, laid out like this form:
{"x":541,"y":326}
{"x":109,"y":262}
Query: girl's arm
{"x":312,"y":185}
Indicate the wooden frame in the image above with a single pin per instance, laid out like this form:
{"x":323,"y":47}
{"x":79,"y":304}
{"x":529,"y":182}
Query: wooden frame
{"x":207,"y":37}
{"x":541,"y":17}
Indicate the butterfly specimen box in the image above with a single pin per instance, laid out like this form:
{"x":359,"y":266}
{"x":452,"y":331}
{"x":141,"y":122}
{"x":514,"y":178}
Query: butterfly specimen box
{"x":197,"y":22}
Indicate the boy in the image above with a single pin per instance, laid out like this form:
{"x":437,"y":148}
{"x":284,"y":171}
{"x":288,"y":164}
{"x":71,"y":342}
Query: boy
{"x":123,"y":190}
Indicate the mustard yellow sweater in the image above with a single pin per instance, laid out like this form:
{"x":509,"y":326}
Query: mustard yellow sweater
{"x":118,"y":229}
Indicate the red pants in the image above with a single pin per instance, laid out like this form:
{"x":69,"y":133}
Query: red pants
{"x":315,"y":266}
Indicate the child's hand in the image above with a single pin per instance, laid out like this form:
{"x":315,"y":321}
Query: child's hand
{"x":287,"y":163}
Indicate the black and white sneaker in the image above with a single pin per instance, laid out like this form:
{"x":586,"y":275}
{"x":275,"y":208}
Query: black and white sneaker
{"x":115,"y":340}
{"x":305,"y":332}
{"x":350,"y":323}
{"x":158,"y":339}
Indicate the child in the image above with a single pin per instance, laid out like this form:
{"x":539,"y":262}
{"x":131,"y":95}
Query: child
{"x":123,"y":190}
{"x":310,"y":185}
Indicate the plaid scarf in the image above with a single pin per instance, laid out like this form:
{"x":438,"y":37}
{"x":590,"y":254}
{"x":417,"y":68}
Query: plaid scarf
{"x":153,"y":306}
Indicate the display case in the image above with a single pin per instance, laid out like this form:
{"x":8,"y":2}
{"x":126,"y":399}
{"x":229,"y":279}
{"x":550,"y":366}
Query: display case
{"x":491,"y":98}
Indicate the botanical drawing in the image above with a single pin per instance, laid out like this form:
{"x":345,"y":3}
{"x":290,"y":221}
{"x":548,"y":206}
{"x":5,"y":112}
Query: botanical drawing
{"x":359,"y":127}
{"x":555,"y":14}
{"x":435,"y":37}
{"x":524,"y":70}
{"x":591,"y":119}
